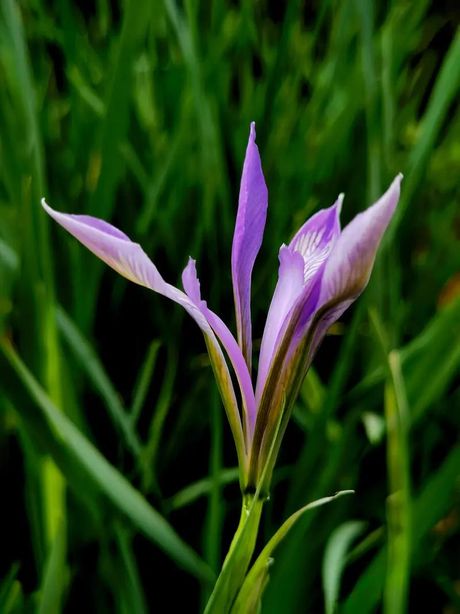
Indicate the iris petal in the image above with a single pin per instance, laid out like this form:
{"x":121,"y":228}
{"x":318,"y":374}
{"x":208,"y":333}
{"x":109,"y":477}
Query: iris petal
{"x":316,"y":238}
{"x":288,"y":289}
{"x":247,"y":239}
{"x":129,"y":259}
{"x":349,"y":266}
{"x":300,"y":265}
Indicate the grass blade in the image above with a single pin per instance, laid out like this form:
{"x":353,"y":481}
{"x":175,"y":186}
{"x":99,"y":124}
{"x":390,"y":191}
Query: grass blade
{"x":143,"y":382}
{"x":428,"y":507}
{"x":72,"y":450}
{"x":335,"y":560}
{"x":399,"y":510}
{"x":191,"y":493}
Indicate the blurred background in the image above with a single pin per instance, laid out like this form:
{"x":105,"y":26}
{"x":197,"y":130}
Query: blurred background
{"x":117,"y":466}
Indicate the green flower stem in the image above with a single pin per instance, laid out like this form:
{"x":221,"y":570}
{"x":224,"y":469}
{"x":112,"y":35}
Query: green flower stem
{"x":238,"y":558}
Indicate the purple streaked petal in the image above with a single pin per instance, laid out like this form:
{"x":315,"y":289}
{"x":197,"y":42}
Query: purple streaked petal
{"x":101,"y":225}
{"x":192,"y":287}
{"x":112,"y":246}
{"x":247,"y":239}
{"x":343,"y":276}
{"x":300,"y":265}
{"x":129,"y":259}
{"x":316,"y":238}
{"x":350,"y":264}
{"x":126,"y":257}
{"x":348,"y":268}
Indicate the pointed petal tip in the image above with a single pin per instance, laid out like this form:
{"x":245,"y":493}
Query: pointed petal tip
{"x":395,"y":186}
{"x":252,"y":132}
{"x":190,"y":281}
{"x":339,"y":203}
{"x":390,"y":199}
{"x":397,"y":181}
{"x":45,"y":206}
{"x":56,"y":215}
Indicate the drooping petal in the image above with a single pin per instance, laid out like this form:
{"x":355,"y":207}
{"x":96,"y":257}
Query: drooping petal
{"x":129,"y":259}
{"x":110,"y":245}
{"x":247,"y":239}
{"x":192,"y":287}
{"x":300,"y":264}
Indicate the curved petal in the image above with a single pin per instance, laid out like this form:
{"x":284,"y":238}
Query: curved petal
{"x":110,"y":245}
{"x":350,"y":264}
{"x":247,"y":239}
{"x":192,"y":287}
{"x":129,"y":259}
{"x":300,"y":265}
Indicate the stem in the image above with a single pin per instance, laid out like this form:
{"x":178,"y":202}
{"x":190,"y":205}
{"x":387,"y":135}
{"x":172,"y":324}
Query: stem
{"x":238,"y":558}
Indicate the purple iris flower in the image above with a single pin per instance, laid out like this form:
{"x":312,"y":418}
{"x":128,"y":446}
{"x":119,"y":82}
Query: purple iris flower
{"x":322,"y":271}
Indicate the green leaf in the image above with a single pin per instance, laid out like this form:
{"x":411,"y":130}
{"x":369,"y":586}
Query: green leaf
{"x":444,"y":92}
{"x":335,"y":558}
{"x":201,"y":488}
{"x":131,"y":581}
{"x":429,"y":362}
{"x":238,"y":557}
{"x":143,"y":381}
{"x":432,"y":360}
{"x":72,"y":452}
{"x":10,"y":591}
{"x":428,"y":508}
{"x":55,"y":578}
{"x":399,"y":512}
{"x":243,"y":543}
{"x":213,"y":524}
{"x":250,"y":594}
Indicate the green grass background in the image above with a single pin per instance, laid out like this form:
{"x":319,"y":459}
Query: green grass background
{"x":118,"y":480}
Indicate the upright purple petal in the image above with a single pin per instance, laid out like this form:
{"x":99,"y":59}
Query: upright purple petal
{"x":300,"y":264}
{"x":129,"y":259}
{"x":247,"y":239}
{"x":288,"y":289}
